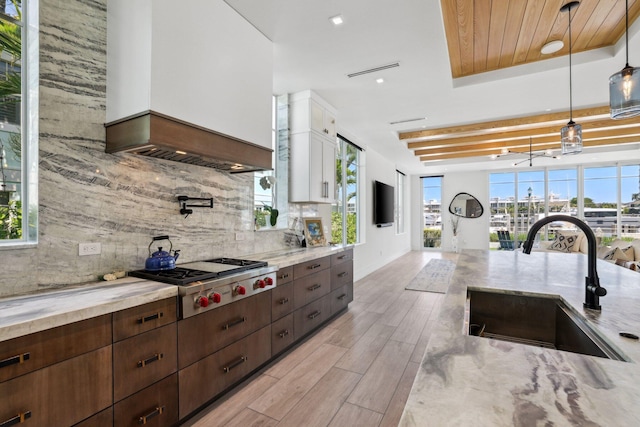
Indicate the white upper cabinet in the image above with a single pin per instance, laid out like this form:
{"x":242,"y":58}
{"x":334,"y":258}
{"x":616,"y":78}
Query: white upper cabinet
{"x":313,"y":149}
{"x":196,"y":60}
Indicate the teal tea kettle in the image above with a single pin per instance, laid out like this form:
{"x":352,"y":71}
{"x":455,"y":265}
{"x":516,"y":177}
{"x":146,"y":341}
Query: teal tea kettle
{"x":161,"y":260}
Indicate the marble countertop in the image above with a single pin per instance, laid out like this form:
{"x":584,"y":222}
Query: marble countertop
{"x":467,"y":380}
{"x":26,"y":314}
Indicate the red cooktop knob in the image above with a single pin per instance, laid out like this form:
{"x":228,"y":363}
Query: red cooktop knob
{"x":215,"y":297}
{"x":241,"y":290}
{"x":202,"y":301}
{"x":268,"y":281}
{"x":261,"y":283}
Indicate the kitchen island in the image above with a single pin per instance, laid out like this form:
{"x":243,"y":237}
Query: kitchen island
{"x":469,"y":380}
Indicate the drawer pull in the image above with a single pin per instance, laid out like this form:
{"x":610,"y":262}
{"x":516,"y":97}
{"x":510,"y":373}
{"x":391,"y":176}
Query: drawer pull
{"x":344,"y":273}
{"x":314,"y":266}
{"x":18,"y":419}
{"x":342,"y":296}
{"x":19,"y":359}
{"x":149,"y":318}
{"x":342,"y":257}
{"x":154,"y":358}
{"x":158,"y":411}
{"x":314,"y":314}
{"x":234,"y":323}
{"x":284,"y":333}
{"x":283,"y":301}
{"x":314,"y":287}
{"x":240,"y":361}
{"x":284,"y":276}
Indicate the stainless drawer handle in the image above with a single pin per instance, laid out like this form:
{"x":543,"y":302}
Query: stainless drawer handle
{"x":314,"y":287}
{"x":284,"y":333}
{"x":314,"y":266}
{"x":158,"y":411}
{"x":342,"y":257}
{"x":314,"y":314}
{"x":283,"y":301}
{"x":284,"y":276}
{"x":154,"y":358}
{"x":149,"y":318}
{"x":234,"y":323}
{"x":18,"y":419}
{"x":344,"y":273}
{"x":19,"y":359}
{"x":342,"y":296}
{"x":240,"y":361}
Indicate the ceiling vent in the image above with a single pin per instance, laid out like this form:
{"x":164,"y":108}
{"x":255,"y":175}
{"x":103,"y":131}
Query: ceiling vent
{"x":407,"y":121}
{"x":373,"y":70}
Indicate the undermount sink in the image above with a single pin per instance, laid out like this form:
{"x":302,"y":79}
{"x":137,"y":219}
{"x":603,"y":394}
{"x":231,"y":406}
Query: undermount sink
{"x":538,"y":320}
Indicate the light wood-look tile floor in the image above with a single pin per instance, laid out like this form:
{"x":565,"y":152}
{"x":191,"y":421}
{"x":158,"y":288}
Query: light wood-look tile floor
{"x":356,"y":371}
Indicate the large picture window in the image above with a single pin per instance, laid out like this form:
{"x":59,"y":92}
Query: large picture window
{"x":345,"y":212}
{"x":18,"y":123}
{"x":432,"y":211}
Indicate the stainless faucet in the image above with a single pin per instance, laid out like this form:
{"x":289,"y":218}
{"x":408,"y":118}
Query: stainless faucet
{"x":593,"y":290}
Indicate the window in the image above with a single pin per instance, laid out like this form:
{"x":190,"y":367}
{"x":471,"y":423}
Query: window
{"x":606,"y":198}
{"x":400,"y":178}
{"x":18,"y":124}
{"x":270,"y":189}
{"x":345,"y":212}
{"x":431,"y":210}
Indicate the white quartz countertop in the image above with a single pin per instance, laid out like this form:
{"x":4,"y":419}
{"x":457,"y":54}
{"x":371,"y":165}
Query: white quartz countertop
{"x":473,"y":381}
{"x":26,"y":314}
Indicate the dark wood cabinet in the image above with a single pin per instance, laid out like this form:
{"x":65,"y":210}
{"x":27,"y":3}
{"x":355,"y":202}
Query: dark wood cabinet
{"x":62,"y":394}
{"x":207,"y":378}
{"x":309,"y":267}
{"x":311,"y":287}
{"x":136,"y":320}
{"x":284,"y":275}
{"x":156,"y":405}
{"x":206,"y":333}
{"x":340,"y":298}
{"x":311,"y":316}
{"x":282,"y":335}
{"x":141,"y":360}
{"x":281,"y":300}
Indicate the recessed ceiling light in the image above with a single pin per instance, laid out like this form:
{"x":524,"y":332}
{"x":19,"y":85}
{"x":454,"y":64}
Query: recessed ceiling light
{"x":336,"y":20}
{"x":379,"y":80}
{"x":552,"y":47}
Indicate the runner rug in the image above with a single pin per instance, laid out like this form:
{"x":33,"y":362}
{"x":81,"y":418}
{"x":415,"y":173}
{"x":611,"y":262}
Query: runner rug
{"x":434,"y":276}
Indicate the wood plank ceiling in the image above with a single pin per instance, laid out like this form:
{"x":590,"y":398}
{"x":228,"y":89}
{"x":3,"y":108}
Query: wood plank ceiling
{"x":486,"y":35}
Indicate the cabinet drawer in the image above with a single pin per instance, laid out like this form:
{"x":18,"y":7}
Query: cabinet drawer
{"x":101,"y":419}
{"x":62,"y":394}
{"x":341,"y":274}
{"x":143,"y":318}
{"x":204,"y":334}
{"x":306,"y":268}
{"x":144,"y":359}
{"x":311,"y":316}
{"x":284,"y":275}
{"x":341,"y":257}
{"x":281,"y":300}
{"x":25,"y":354}
{"x":155,"y":406}
{"x":282,"y":334}
{"x":340,"y":298}
{"x":311,"y":287}
{"x":207,"y":378}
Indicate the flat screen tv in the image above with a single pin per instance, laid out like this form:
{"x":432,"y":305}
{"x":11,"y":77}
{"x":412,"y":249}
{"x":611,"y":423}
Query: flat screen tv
{"x":383,"y":204}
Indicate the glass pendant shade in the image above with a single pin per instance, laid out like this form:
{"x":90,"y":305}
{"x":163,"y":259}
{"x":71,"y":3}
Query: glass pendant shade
{"x":624,"y":93}
{"x":571,"y":138}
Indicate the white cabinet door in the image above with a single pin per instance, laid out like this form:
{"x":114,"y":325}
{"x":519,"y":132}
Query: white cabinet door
{"x":313,"y":165}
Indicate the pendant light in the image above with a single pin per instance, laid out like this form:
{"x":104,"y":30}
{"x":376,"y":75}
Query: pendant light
{"x":571,"y":134}
{"x":624,"y":86}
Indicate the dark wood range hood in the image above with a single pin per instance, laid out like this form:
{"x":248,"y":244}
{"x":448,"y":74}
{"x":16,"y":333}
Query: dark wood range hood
{"x":156,"y":135}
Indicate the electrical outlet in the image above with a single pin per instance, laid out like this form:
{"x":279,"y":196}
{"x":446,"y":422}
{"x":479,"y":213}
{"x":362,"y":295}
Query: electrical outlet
{"x":89,"y":249}
{"x":239,"y":236}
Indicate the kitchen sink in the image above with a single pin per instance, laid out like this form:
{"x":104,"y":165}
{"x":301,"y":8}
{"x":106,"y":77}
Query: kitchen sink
{"x":538,"y":320}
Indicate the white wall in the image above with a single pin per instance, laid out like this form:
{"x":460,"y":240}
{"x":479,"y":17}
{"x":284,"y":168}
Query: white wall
{"x":379,"y":245}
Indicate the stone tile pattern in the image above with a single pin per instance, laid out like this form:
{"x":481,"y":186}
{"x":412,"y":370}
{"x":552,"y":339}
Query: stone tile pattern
{"x":121,"y":200}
